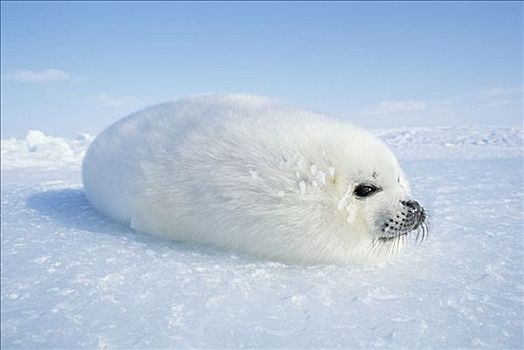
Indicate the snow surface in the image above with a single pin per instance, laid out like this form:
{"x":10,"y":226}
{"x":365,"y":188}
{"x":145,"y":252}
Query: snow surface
{"x":73,"y":279}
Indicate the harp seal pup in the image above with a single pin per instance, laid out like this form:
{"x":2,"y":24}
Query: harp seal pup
{"x":252,"y":175}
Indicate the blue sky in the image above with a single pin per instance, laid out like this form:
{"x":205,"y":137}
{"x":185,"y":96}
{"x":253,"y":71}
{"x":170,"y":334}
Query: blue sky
{"x":70,"y":67}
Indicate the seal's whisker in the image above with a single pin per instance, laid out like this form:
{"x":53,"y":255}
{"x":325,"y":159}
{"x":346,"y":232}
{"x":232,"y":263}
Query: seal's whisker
{"x":417,"y":236}
{"x":384,"y":244}
{"x":394,"y":245}
{"x":388,"y":245}
{"x":372,"y":246}
{"x":397,"y":243}
{"x":380,"y":246}
{"x":391,"y":246}
{"x":377,"y":244}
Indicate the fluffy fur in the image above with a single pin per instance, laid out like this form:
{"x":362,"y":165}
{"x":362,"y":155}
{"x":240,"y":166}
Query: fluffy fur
{"x":248,"y":174}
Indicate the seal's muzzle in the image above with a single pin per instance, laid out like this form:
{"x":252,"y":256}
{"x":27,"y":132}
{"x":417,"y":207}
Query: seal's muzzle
{"x":411,"y":217}
{"x":415,"y":214}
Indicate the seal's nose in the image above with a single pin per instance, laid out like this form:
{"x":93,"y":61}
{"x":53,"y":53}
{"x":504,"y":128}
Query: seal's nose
{"x":416,"y":213}
{"x":413,"y":206}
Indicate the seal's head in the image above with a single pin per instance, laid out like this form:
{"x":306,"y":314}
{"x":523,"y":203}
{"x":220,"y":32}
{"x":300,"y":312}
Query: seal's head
{"x":376,"y":203}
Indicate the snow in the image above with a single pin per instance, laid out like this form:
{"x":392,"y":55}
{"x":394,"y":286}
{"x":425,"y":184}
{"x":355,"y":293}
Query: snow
{"x":454,"y":142}
{"x":40,"y":150}
{"x":74,"y":279}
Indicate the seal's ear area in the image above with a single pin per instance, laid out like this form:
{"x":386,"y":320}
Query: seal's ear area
{"x":364,"y":190}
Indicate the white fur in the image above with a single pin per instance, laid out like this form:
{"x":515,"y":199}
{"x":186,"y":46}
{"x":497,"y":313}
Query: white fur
{"x":248,"y":174}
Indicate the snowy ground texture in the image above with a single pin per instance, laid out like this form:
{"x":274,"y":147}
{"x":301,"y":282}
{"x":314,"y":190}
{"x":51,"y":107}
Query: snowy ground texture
{"x":73,"y":279}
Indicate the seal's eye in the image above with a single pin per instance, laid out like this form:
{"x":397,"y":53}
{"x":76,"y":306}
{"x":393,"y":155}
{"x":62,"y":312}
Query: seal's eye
{"x":365,"y":190}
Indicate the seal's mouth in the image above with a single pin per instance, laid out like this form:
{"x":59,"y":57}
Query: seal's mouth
{"x":409,"y":222}
{"x":412,"y":218}
{"x":389,"y":239}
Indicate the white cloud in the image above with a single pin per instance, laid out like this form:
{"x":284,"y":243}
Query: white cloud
{"x":105,"y":100}
{"x":31,"y":76}
{"x":497,"y":105}
{"x":498,"y":92}
{"x":395,"y":107}
{"x":487,"y":98}
{"x":499,"y":96}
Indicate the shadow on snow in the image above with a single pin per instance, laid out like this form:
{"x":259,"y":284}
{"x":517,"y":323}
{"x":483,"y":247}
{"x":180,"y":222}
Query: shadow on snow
{"x":70,"y":208}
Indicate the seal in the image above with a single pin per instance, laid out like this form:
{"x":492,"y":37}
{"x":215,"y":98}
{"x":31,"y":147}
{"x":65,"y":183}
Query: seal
{"x":255,"y":176}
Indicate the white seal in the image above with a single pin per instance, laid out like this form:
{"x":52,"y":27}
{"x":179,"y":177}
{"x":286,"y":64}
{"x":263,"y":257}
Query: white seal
{"x":248,"y":174}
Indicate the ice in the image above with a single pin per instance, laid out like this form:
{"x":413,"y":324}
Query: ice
{"x":302,"y":186}
{"x":352,"y":213}
{"x":343,"y":202}
{"x":321,"y":178}
{"x":332,"y":171}
{"x":74,"y":279}
{"x":40,"y":150}
{"x":454,"y":143}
